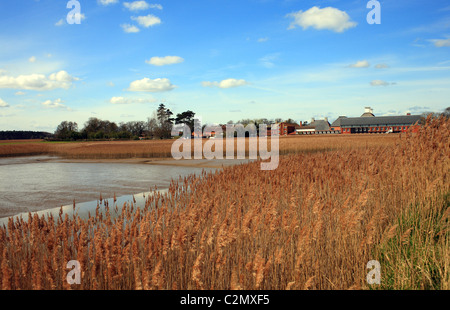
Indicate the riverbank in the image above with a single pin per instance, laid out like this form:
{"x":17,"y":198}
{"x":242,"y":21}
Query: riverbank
{"x":198,"y":163}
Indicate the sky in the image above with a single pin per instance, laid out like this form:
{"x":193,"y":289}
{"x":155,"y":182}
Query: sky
{"x":223,"y":59}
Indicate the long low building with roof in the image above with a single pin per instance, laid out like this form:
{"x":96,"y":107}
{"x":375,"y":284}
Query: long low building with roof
{"x":368,"y":123}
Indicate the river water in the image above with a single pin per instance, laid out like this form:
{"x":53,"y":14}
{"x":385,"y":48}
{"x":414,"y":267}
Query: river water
{"x":31,"y":184}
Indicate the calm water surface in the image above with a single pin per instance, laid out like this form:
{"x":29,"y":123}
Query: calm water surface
{"x":29,"y":184}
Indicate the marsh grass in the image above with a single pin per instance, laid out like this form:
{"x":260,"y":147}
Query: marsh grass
{"x":162,"y":148}
{"x":313,"y":223}
{"x":414,"y":252}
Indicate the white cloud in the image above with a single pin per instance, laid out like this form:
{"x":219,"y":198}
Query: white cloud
{"x":380,"y":83}
{"x":107,"y":2}
{"x":382,"y":66}
{"x":167,"y":60}
{"x":55,"y":104}
{"x":228,"y":83}
{"x":327,"y":18}
{"x":418,"y":109}
{"x":61,"y":76}
{"x":360,"y":64}
{"x":268,"y":60}
{"x":141,"y":5}
{"x":129,"y":28}
{"x":441,"y":42}
{"x":20,"y":93}
{"x":156,"y":6}
{"x":59,"y":22}
{"x":136,"y":5}
{"x":123,"y":100}
{"x":148,"y":85}
{"x":3,"y":104}
{"x":119,"y":100}
{"x":260,"y":40}
{"x":40,"y":82}
{"x":32,"y":59}
{"x":147,"y":21}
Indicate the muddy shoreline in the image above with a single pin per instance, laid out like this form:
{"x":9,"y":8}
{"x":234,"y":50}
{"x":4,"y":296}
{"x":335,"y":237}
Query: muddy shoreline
{"x":199,"y":163}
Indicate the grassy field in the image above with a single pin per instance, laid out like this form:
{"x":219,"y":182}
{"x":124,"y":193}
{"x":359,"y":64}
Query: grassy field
{"x":313,"y":223}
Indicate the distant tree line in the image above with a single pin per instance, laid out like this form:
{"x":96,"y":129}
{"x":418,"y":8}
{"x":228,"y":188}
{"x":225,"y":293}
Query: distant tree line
{"x":262,"y":121}
{"x":159,"y":126}
{"x":21,"y":135}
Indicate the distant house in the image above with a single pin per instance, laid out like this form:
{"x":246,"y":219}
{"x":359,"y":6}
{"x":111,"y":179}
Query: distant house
{"x":317,"y":126}
{"x":210,"y":134}
{"x":306,"y":130}
{"x":288,"y":128}
{"x":320,"y":125}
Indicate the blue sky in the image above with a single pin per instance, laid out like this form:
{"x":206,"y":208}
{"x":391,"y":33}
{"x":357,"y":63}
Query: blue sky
{"x":223,"y":59}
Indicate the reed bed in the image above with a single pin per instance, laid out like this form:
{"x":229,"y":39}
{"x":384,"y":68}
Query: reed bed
{"x":20,"y":141}
{"x":162,"y":148}
{"x":14,"y":149}
{"x":313,"y":223}
{"x":113,"y":149}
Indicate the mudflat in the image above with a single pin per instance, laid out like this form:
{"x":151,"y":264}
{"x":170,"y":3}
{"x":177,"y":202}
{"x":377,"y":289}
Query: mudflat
{"x":200,"y":163}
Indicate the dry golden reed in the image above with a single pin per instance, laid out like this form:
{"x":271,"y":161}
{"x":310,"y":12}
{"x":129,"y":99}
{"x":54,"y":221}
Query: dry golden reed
{"x":310,"y":224}
{"x":162,"y":148}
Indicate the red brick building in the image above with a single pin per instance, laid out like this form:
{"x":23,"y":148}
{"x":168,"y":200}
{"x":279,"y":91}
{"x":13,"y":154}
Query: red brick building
{"x":288,"y":128}
{"x":369,"y":123}
{"x":381,"y":124}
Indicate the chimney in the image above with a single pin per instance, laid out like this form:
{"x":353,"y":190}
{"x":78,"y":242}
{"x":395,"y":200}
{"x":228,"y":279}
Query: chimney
{"x":313,"y":120}
{"x":368,"y":110}
{"x":408,"y":113}
{"x":326,"y":119}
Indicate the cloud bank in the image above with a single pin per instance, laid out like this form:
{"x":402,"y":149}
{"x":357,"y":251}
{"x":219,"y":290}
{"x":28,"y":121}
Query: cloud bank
{"x":39,"y":82}
{"x":167,"y":60}
{"x":149,"y":85}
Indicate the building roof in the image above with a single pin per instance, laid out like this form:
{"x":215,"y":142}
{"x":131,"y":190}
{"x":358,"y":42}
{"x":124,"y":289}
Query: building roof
{"x":337,"y":122}
{"x":320,"y":125}
{"x":379,"y":121}
{"x":306,"y":128}
{"x":289,"y":124}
